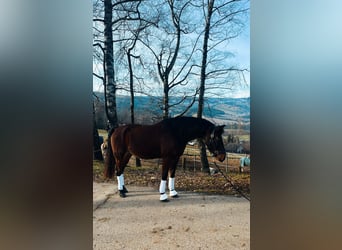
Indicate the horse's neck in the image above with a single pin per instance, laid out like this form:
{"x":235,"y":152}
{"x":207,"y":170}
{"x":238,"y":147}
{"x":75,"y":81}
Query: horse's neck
{"x":198,"y":130}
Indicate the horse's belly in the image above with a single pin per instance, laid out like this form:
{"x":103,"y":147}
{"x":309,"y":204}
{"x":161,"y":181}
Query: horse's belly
{"x":145,"y":153}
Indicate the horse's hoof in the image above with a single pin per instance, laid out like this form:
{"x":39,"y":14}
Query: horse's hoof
{"x":163,"y":197}
{"x":175,"y":196}
{"x":166,"y":200}
{"x":122,"y":194}
{"x":124,"y":189}
{"x":173,"y":193}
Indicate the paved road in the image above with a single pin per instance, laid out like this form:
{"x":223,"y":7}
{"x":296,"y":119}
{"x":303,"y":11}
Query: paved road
{"x":192,"y":221}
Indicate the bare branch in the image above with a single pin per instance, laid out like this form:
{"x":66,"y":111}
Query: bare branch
{"x":172,"y":84}
{"x":100,"y":46}
{"x":182,"y":80}
{"x":97,"y":30}
{"x":225,"y":4}
{"x":224,"y":71}
{"x":213,"y":46}
{"x":228,"y":17}
{"x":98,"y":76}
{"x":124,"y":1}
{"x":191,"y":104}
{"x":98,"y":20}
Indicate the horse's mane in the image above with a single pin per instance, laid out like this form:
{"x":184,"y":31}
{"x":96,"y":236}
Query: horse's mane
{"x":188,"y":121}
{"x":188,"y":127}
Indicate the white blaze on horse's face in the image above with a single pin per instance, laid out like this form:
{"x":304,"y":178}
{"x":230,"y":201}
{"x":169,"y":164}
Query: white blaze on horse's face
{"x":212,"y":135}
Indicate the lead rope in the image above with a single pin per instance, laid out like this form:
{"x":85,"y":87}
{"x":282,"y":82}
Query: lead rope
{"x":237,"y":189}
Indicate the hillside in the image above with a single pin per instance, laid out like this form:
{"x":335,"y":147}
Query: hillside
{"x":227,"y":111}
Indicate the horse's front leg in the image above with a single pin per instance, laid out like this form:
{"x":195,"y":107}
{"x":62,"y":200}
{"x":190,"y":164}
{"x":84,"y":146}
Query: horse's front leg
{"x":169,"y":165}
{"x":162,"y":186}
{"x":172,"y":171}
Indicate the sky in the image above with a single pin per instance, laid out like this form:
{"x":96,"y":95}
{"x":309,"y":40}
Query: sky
{"x":239,"y":46}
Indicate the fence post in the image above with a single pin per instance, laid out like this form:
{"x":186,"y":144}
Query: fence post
{"x":184,"y":163}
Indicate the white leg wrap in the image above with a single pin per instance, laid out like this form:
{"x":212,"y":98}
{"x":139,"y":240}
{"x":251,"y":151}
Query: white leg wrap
{"x":172,"y":187}
{"x":121,"y":182}
{"x":162,"y":188}
{"x":171,"y":184}
{"x":163,"y":197}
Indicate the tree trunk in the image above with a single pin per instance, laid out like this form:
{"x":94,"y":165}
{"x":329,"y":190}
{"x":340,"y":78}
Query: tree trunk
{"x":204,"y":159}
{"x":110,"y":88}
{"x":166,"y":99}
{"x":96,"y":140}
{"x":131,"y":89}
{"x":168,"y":67}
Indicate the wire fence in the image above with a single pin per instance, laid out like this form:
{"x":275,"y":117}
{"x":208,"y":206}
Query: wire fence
{"x":191,"y":161}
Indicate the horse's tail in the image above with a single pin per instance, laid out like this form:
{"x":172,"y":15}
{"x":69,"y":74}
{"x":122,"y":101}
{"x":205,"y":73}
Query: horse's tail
{"x":109,"y":163}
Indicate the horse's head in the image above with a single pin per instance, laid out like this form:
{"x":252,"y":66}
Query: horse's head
{"x":214,"y":142}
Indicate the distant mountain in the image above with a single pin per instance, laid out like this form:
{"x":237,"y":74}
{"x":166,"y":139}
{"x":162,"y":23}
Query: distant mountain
{"x":220,"y":110}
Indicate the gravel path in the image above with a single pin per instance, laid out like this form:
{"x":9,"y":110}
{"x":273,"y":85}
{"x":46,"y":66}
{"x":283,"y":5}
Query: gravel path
{"x":192,"y":221}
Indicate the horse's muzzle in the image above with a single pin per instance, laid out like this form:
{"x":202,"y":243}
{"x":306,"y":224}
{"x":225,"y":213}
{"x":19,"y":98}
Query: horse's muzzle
{"x":220,"y":157}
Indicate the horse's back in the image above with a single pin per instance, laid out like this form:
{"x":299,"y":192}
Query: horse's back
{"x":150,"y":141}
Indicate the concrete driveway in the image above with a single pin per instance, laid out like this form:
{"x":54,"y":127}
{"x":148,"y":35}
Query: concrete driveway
{"x":192,"y":221}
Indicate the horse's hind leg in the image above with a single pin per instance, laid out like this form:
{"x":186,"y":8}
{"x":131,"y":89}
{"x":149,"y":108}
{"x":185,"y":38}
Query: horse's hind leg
{"x":121,"y":163}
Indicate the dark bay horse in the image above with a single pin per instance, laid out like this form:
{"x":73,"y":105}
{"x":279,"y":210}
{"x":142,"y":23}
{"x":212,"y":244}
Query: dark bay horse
{"x":167,"y":140}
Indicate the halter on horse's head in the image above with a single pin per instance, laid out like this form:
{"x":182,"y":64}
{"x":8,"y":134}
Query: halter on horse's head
{"x":215,"y":144}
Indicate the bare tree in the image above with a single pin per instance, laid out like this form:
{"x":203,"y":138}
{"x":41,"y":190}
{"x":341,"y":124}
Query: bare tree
{"x":143,"y":24}
{"x":172,"y":56}
{"x":129,"y":31}
{"x":123,"y":13}
{"x":204,"y":159}
{"x":172,"y":70}
{"x":219,"y":16}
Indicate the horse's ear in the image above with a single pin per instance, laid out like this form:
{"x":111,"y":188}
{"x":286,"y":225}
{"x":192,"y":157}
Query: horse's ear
{"x":220,"y":128}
